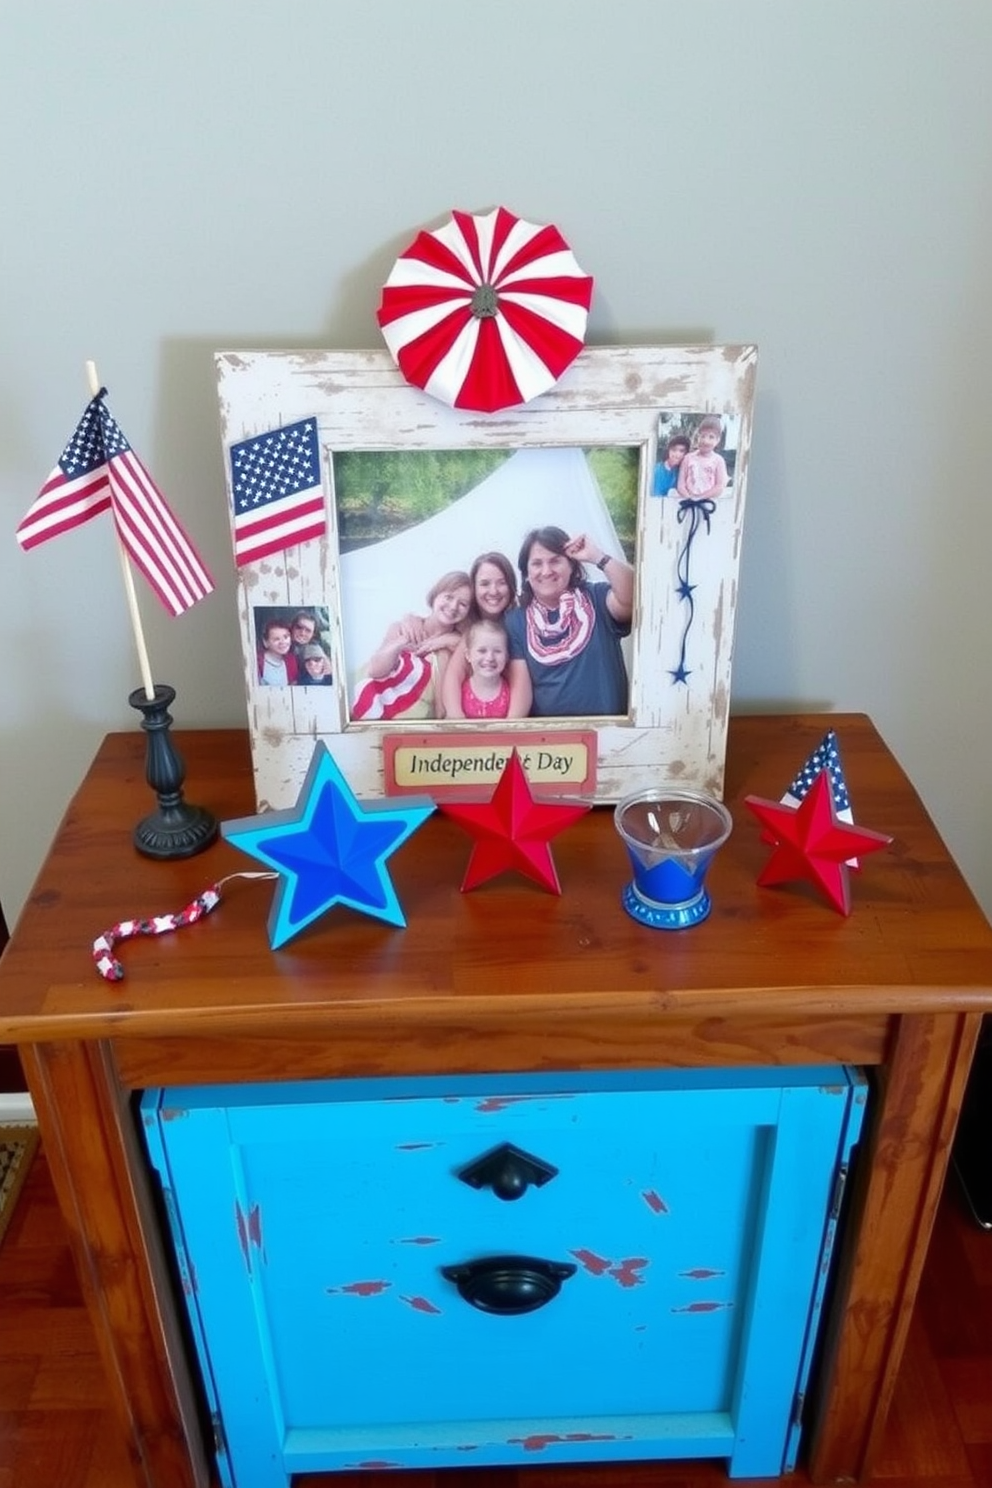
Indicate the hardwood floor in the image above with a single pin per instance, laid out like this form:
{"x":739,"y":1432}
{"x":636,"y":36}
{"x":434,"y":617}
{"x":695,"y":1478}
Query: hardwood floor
{"x":56,"y":1429}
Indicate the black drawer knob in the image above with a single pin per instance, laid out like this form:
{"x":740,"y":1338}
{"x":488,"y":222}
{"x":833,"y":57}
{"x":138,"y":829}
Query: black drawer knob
{"x":508,"y":1171}
{"x":509,"y":1284}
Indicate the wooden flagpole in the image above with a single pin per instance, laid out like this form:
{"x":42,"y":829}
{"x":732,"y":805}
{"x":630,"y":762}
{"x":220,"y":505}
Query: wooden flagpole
{"x":128,"y":576}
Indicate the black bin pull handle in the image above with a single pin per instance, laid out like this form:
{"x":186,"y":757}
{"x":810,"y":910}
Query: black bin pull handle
{"x":508,"y":1171}
{"x":509,"y":1284}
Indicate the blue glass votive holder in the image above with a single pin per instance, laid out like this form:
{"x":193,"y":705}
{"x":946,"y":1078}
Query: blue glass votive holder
{"x":671,"y":836}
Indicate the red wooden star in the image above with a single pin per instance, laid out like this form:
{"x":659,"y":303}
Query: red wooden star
{"x":811,"y":842}
{"x":513,"y":830}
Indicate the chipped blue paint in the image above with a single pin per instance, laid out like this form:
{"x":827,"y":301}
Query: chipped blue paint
{"x":694,"y":1205}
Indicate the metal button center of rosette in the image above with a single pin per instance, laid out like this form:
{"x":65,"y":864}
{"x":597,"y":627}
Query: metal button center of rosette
{"x":484,"y":303}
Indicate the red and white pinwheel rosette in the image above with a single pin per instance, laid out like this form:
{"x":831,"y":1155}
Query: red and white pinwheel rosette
{"x":485,"y":312}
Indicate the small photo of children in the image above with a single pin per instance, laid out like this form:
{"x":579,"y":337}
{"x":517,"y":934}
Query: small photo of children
{"x":291,"y":646}
{"x":670,"y":457}
{"x":696,"y":456}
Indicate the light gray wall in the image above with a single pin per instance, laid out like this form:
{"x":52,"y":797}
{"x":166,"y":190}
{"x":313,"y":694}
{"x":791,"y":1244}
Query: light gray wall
{"x":814,"y":177}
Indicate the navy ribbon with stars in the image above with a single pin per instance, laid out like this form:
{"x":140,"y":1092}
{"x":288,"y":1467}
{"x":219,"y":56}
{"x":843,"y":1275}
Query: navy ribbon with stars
{"x":697,"y":513}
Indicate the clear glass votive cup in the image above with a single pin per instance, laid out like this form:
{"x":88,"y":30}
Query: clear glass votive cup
{"x":671,"y":836}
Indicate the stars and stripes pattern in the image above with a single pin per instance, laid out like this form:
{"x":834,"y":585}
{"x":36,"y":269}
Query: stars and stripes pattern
{"x":396,"y":694}
{"x":107,"y":963}
{"x":826,"y":756}
{"x":276,"y":490}
{"x":487,"y":311}
{"x":99,"y":471}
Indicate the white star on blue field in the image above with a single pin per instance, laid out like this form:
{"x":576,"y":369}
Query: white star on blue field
{"x":825,"y":757}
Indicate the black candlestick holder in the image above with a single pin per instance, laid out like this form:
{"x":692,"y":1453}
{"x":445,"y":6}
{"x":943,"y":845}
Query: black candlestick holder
{"x":176,"y":829}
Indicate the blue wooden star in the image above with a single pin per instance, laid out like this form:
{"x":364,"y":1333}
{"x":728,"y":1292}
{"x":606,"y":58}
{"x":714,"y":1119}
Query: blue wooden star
{"x":328,"y":849}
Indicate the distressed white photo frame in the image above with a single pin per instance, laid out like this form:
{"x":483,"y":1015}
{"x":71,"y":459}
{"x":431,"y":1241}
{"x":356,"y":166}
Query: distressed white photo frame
{"x":675,"y":728}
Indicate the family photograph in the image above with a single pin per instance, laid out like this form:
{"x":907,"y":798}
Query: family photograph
{"x":512,"y":599}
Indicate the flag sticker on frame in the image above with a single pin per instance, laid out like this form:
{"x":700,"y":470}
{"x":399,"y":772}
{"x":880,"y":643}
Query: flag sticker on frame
{"x":277,"y":492}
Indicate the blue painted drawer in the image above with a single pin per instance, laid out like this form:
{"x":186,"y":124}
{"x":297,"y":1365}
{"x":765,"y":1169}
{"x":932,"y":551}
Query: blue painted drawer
{"x":362,"y":1295}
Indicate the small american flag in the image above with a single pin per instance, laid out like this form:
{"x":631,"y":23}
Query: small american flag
{"x":98,"y":469}
{"x":275,"y":484}
{"x":826,"y":756}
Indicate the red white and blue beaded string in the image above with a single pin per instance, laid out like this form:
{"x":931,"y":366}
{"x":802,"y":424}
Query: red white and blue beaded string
{"x":107,"y":963}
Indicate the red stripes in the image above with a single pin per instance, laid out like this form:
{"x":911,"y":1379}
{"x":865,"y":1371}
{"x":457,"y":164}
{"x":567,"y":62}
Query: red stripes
{"x":115,"y":479}
{"x":153,"y":537}
{"x":275,"y":528}
{"x":492,"y":356}
{"x":419,"y":358}
{"x":428,"y":249}
{"x":62,"y":505}
{"x":489,"y":383}
{"x":393,"y":696}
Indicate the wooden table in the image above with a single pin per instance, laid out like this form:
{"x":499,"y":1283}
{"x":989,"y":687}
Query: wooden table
{"x":505,"y":978}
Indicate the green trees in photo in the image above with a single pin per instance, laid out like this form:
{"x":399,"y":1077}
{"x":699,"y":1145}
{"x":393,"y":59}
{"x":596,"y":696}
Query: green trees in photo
{"x":379,"y":493}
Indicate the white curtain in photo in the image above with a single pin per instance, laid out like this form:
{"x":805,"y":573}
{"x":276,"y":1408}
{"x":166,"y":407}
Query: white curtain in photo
{"x":533,"y":488}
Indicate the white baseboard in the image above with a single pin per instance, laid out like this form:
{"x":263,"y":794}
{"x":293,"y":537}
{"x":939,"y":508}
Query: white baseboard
{"x":17,"y":1107}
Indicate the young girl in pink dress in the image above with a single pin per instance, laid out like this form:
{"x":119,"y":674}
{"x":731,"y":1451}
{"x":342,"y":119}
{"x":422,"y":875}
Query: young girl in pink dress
{"x":494,"y":593}
{"x":703,"y":473}
{"x":485,"y":692}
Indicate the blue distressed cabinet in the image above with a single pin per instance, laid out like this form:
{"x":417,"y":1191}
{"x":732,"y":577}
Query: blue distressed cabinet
{"x":501,"y":1269}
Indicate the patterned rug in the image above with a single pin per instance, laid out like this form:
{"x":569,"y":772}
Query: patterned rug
{"x":18,"y":1145}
